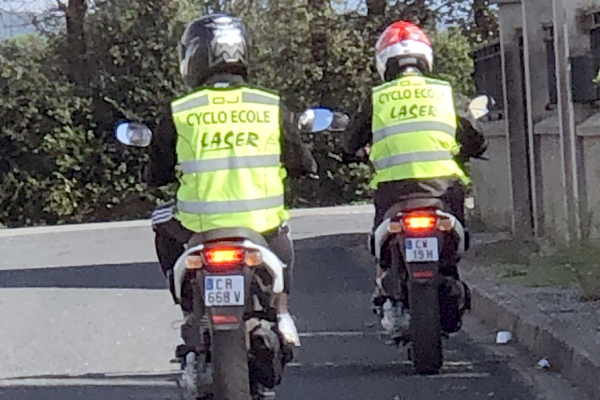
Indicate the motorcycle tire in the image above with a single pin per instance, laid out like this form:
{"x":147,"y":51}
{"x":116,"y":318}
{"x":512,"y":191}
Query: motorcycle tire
{"x":425,"y":328}
{"x":230,"y":360}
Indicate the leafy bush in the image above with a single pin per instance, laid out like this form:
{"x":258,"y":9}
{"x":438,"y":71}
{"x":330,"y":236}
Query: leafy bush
{"x":59,"y":162}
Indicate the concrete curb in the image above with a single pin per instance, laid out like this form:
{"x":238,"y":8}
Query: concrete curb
{"x":573,"y":363}
{"x":302,"y":212}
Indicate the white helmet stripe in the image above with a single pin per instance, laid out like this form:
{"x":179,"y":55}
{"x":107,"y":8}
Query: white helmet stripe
{"x":404,"y":48}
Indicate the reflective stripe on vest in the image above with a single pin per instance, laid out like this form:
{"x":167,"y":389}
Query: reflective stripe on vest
{"x":223,"y":207}
{"x":193,"y":167}
{"x":414,"y":131}
{"x":410,"y":127}
{"x":229,"y":151}
{"x":421,"y":156}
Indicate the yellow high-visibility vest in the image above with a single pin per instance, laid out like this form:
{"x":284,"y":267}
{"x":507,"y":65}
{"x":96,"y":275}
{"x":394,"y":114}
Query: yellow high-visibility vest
{"x":229,"y":153}
{"x":414,"y":131}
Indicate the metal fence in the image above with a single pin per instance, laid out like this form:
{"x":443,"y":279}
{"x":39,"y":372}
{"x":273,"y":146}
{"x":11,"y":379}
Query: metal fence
{"x":488,"y":74}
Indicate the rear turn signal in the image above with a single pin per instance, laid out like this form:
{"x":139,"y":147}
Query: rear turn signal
{"x":194,"y":261}
{"x":253,"y":258}
{"x":395,"y":227}
{"x":224,"y":256}
{"x":445,"y":224}
{"x":420,"y":222}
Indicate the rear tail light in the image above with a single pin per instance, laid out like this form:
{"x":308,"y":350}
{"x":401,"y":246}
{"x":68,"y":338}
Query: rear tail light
{"x":421,"y":223}
{"x":221,"y":257}
{"x":416,"y":222}
{"x":219,"y":319}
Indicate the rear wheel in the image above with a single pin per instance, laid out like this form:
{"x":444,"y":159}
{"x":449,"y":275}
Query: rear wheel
{"x":230,"y":360}
{"x":425,"y":328}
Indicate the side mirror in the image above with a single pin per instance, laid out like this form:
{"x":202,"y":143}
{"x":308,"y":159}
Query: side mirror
{"x":133,"y":134}
{"x":321,"y":119}
{"x":479,"y":106}
{"x":340,"y":122}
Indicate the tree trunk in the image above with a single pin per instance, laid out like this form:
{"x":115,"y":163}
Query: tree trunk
{"x":376,"y":8}
{"x":479,"y":13}
{"x":318,"y":32}
{"x":75,"y":13}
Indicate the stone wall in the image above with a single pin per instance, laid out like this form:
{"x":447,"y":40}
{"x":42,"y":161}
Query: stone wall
{"x":491,"y":178}
{"x":499,"y":183}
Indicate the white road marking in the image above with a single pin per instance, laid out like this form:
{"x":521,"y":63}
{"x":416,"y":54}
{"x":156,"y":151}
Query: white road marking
{"x":87,"y":382}
{"x":448,"y":365}
{"x":340,"y":334}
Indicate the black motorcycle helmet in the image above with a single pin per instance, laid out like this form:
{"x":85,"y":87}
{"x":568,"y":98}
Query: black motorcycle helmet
{"x":213,"y":44}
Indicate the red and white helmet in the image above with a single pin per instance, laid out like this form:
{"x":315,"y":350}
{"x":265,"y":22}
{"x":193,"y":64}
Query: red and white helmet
{"x":402,"y":39}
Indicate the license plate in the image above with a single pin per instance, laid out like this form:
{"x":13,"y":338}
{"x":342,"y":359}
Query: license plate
{"x":224,"y":290}
{"x":421,"y":249}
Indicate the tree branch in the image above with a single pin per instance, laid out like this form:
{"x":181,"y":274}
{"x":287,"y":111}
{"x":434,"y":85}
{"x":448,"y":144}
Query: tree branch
{"x":61,"y":6}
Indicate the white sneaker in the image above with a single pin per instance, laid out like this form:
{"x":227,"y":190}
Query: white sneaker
{"x":287,"y":327}
{"x":396,"y":320}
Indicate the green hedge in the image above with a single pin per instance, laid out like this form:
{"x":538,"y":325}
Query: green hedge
{"x":59,"y":162}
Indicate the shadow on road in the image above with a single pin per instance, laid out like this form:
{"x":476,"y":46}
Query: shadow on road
{"x":316,"y":258}
{"x":91,"y":392}
{"x":123,"y":276}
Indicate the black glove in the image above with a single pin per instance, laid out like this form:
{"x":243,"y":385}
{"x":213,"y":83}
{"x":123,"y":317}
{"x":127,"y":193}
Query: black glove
{"x":473,"y":143}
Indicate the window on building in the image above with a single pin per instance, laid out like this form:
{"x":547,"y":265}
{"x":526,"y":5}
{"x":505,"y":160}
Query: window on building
{"x":595,"y":35}
{"x":593,"y":91}
{"x":595,"y":41}
{"x":488,"y":74}
{"x":551,"y":62}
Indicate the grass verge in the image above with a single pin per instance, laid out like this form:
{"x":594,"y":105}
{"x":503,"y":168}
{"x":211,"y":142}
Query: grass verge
{"x":524,"y":264}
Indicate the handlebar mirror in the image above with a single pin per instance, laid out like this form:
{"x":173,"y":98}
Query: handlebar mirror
{"x":322,"y":119}
{"x":315,"y":120}
{"x":133,"y":134}
{"x":340,"y":122}
{"x":479,"y":106}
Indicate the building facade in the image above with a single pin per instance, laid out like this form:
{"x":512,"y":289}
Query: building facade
{"x":543,"y":177}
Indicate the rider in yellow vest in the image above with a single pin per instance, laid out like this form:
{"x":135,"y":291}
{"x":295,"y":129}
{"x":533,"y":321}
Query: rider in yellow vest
{"x":230,"y":141}
{"x":418,"y":144}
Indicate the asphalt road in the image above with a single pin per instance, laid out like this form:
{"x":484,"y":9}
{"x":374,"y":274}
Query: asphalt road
{"x":85,"y":315}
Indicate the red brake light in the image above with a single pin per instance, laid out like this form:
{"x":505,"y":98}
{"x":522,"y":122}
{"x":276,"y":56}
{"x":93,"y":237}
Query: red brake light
{"x":221,"y":256}
{"x":219,"y":319}
{"x":420,"y":222}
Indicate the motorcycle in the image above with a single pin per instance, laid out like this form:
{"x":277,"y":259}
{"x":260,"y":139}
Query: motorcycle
{"x":233,"y":349}
{"x":420,"y":238}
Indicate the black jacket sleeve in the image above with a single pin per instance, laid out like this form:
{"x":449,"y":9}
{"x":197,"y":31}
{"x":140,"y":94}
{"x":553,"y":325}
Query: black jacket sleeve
{"x":473,"y":142}
{"x":160,"y":169}
{"x":295,"y":156}
{"x":359,"y":134}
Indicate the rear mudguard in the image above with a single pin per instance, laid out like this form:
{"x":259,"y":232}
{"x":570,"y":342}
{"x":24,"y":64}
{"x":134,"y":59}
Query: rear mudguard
{"x":382,"y":234}
{"x":271,"y":261}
